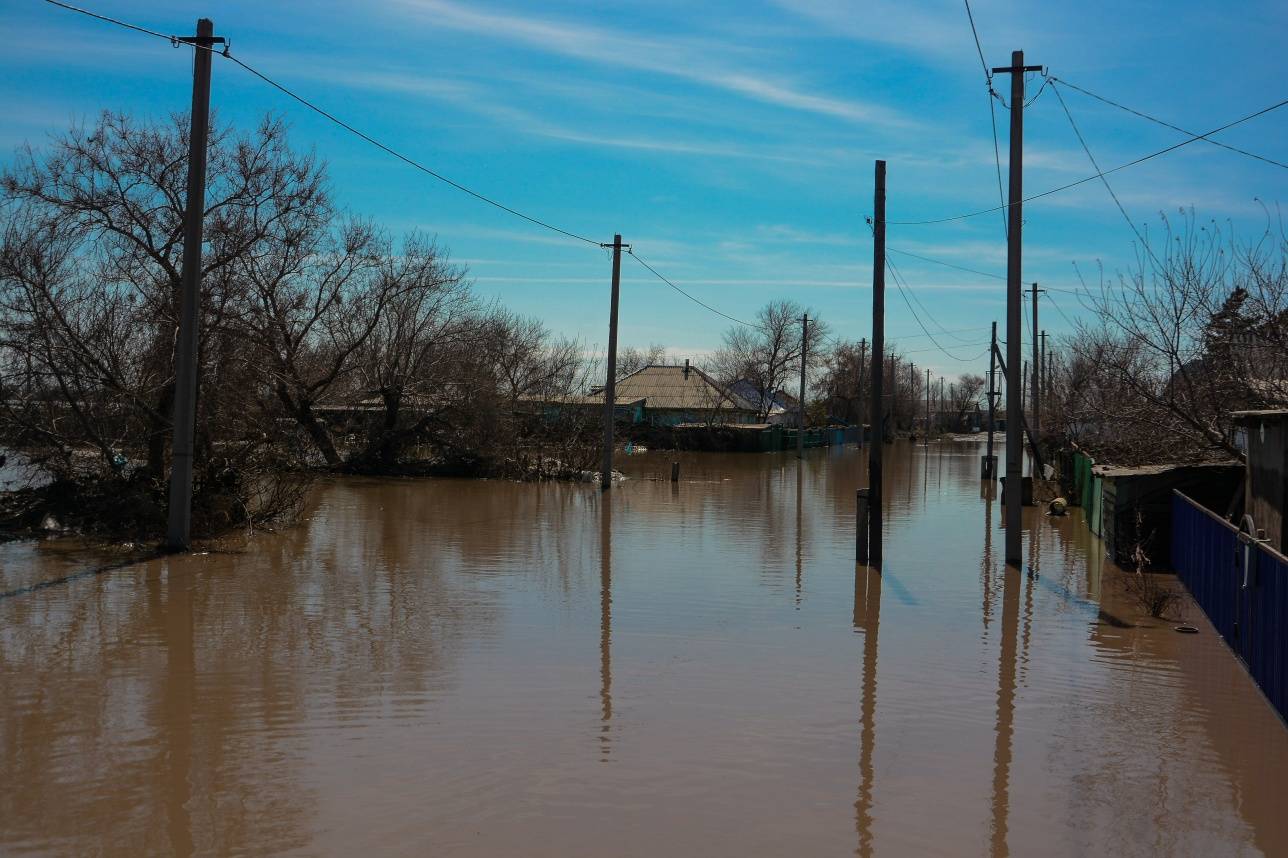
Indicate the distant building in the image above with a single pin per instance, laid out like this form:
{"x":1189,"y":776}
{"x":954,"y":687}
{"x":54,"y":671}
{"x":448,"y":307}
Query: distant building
{"x":671,"y":395}
{"x":780,"y":407}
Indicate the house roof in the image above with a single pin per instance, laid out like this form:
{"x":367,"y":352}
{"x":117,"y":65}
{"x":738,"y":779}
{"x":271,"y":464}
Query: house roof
{"x":676,"y":387}
{"x":778,"y":402}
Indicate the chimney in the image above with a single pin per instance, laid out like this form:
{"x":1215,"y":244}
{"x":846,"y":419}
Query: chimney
{"x":686,"y":369}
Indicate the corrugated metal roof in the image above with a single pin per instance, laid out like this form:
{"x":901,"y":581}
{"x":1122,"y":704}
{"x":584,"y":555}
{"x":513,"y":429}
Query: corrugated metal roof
{"x":677,"y":387}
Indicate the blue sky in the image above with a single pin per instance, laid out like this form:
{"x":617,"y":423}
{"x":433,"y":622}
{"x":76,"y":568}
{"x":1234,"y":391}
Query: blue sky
{"x":732,"y":143}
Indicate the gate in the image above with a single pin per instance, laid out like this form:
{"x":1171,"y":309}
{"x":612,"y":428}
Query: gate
{"x":1242,"y":586}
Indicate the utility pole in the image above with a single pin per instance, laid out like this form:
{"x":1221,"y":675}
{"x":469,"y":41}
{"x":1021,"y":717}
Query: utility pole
{"x":863,"y":366}
{"x":800,"y":403}
{"x":178,"y":530}
{"x":990,"y":461}
{"x":610,"y":383}
{"x":1036,"y":387}
{"x":926,"y":440}
{"x":912,"y":397}
{"x":1014,"y":260}
{"x":878,"y":359}
{"x":894,"y":397}
{"x":1044,"y":389}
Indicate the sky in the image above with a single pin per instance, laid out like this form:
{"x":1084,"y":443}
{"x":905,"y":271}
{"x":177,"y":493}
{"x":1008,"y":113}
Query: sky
{"x":731,"y":144}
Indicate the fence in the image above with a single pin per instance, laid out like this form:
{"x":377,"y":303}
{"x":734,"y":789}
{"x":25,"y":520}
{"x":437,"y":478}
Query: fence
{"x":1242,"y":586}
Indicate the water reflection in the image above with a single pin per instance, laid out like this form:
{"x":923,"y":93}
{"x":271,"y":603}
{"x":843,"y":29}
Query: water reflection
{"x":422,"y":666}
{"x":867,"y":619}
{"x":605,"y":622}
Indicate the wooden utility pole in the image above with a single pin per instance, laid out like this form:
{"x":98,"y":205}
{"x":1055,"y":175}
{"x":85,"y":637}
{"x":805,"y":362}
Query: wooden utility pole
{"x":800,"y":403}
{"x":610,"y":383}
{"x":875,"y":500}
{"x":989,"y":471}
{"x":1014,"y":260}
{"x":1036,"y":386}
{"x":179,"y":527}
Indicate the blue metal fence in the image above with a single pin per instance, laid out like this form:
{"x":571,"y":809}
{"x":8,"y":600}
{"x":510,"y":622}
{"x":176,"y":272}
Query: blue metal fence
{"x":1242,"y":586}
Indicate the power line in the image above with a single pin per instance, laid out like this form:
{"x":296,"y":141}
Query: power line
{"x":992,"y":110}
{"x":903,"y":292}
{"x":411,"y":161}
{"x":1163,"y":123}
{"x":342,"y":124}
{"x":946,"y":264}
{"x":1083,"y":181}
{"x":988,"y":75}
{"x":1092,"y":158}
{"x":126,"y":25}
{"x":692,"y":298}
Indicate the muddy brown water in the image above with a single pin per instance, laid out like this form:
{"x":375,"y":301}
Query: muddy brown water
{"x":488,"y":668}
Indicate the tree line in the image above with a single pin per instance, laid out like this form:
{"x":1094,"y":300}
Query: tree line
{"x":324,"y":340}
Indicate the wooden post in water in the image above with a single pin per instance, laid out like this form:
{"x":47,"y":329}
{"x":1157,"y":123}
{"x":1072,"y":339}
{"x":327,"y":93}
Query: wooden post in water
{"x":675,"y":472}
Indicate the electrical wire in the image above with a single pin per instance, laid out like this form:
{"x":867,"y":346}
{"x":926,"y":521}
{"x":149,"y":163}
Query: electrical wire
{"x":988,"y":75}
{"x":903,"y":292}
{"x":945,"y":264}
{"x":1083,"y":181}
{"x":119,"y":23}
{"x":631,"y":252}
{"x":342,"y":124}
{"x":1163,"y":123}
{"x":1095,"y":166}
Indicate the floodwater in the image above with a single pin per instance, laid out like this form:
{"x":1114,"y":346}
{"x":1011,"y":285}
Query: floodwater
{"x":487,"y":668}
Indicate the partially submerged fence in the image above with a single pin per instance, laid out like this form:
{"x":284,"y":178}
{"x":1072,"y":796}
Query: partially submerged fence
{"x":1242,"y":586}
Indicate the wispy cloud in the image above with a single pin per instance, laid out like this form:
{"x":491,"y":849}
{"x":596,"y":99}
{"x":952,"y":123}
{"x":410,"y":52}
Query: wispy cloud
{"x":688,"y":58}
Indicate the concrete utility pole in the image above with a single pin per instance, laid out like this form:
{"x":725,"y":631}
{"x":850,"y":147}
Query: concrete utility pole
{"x":610,"y":383}
{"x":989,"y":471}
{"x":912,"y":397}
{"x":178,"y":530}
{"x":1014,"y":262}
{"x":878,"y":369}
{"x":1036,"y":387}
{"x":925,"y":442}
{"x":894,"y":397}
{"x":1045,"y":387}
{"x":863,"y":366}
{"x":800,"y":403}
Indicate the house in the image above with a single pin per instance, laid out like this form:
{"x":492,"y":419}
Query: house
{"x":780,"y":407}
{"x":671,"y":395}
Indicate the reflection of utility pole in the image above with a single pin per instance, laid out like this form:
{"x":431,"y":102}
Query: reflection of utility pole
{"x":610,"y":384}
{"x":878,"y":368}
{"x":800,"y":537}
{"x":1005,"y":712}
{"x":178,"y":529}
{"x":867,"y":617}
{"x":800,"y":403}
{"x":1014,"y":263}
{"x":605,"y":622}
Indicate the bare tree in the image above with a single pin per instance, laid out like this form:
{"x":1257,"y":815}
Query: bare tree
{"x":768,"y":354}
{"x":1196,"y":329}
{"x":631,"y":359}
